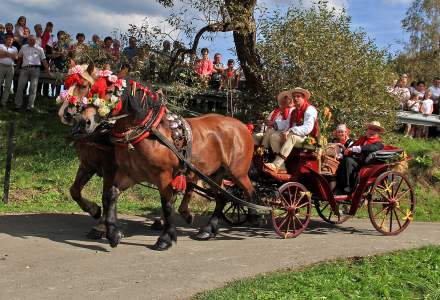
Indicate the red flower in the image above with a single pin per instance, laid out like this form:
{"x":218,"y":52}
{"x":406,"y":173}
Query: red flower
{"x":72,"y":100}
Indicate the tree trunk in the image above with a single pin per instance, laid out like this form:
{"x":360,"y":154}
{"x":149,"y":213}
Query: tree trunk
{"x":245,"y":39}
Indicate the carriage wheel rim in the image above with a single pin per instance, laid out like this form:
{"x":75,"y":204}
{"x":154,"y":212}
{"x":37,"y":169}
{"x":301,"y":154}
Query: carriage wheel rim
{"x":292,"y":216}
{"x":395,"y":210}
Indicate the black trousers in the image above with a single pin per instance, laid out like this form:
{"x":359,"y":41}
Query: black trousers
{"x":347,"y":172}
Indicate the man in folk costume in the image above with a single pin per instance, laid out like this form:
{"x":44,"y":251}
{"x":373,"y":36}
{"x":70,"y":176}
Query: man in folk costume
{"x":354,"y":157}
{"x":303,"y":122}
{"x":277,"y":121}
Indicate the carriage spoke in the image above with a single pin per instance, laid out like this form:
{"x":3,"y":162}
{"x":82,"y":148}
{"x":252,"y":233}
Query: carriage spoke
{"x":381,"y":211}
{"x":397,"y":218}
{"x":328,"y":203}
{"x":299,"y":221}
{"x":384,"y":218}
{"x":284,"y":221}
{"x":302,"y":205}
{"x":391,"y":219}
{"x":398,"y":187}
{"x":380,"y":193}
{"x":401,"y":195}
{"x":330,"y":214}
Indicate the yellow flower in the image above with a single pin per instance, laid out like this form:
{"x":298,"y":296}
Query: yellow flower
{"x":327,"y":113}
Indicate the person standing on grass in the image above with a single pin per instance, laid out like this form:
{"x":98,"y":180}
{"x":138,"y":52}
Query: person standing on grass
{"x":401,"y":91}
{"x":413,"y":105}
{"x":435,"y":90}
{"x":8,"y":54}
{"x":30,"y":57}
{"x":2,"y":34}
{"x":426,"y":109}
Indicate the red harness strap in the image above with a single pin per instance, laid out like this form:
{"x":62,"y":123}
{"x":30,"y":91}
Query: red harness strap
{"x":145,"y":134}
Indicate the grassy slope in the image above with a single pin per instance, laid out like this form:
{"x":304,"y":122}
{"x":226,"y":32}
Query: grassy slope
{"x":44,"y":167}
{"x":411,"y":274}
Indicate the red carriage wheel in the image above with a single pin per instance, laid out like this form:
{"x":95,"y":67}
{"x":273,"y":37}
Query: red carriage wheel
{"x":292,"y":210}
{"x":392,"y":203}
{"x":326,"y":213}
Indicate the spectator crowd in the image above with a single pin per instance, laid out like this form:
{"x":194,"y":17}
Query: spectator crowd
{"x":417,"y":97}
{"x":28,"y":52}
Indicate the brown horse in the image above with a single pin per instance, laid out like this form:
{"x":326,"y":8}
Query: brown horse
{"x":96,"y":156}
{"x":222,"y":146}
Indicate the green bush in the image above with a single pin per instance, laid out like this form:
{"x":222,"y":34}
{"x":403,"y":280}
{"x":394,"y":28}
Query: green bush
{"x":315,"y":48}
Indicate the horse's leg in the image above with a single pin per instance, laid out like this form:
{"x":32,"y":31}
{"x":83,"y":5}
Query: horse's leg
{"x":210,"y":230}
{"x":169,"y":233}
{"x":83,"y":176}
{"x":112,"y":190}
{"x":184,"y":210}
{"x":98,"y":232}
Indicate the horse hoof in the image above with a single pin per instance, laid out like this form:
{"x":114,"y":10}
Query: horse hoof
{"x":162,"y":245}
{"x":157,"y":225}
{"x":95,"y":234}
{"x":97,"y":215}
{"x":204,"y":236}
{"x":114,"y":237}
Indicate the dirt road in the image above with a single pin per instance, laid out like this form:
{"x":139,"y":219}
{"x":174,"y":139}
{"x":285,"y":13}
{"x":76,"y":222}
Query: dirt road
{"x":46,"y":256}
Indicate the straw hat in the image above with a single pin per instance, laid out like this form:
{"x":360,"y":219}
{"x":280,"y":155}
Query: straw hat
{"x":284,"y":94}
{"x":375,"y":125}
{"x":305,"y":92}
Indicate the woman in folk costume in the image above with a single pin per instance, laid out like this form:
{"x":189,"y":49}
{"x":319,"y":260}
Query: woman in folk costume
{"x":303,"y":122}
{"x":354,"y":157}
{"x":277,"y":121}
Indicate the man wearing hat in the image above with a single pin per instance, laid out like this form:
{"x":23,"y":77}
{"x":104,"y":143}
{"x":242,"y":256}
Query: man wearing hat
{"x":277,"y":121}
{"x":354,"y":157}
{"x":303,"y":122}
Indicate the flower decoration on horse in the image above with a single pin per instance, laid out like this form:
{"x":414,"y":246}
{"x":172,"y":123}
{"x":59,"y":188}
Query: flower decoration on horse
{"x":83,"y":90}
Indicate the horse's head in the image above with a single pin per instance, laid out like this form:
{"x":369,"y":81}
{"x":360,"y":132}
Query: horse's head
{"x":88,"y":103}
{"x":77,"y":84}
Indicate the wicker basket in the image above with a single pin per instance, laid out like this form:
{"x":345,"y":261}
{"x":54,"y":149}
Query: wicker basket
{"x":329,"y":164}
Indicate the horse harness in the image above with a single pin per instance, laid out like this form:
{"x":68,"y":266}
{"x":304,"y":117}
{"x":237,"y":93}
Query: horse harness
{"x":181,"y":135}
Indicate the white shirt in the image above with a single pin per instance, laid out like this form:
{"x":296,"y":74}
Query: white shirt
{"x":413,"y":105}
{"x":282,"y":125}
{"x":427,"y":106}
{"x":7,"y":60}
{"x":401,"y":93}
{"x":32,"y":56}
{"x":306,"y":128}
{"x":435,"y":93}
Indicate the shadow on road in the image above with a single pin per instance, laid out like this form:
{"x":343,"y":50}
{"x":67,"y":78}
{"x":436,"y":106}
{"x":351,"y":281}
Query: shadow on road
{"x":71,"y":229}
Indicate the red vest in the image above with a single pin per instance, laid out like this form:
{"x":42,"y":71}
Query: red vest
{"x":277,"y":111}
{"x":367,"y":141}
{"x":297,"y":119}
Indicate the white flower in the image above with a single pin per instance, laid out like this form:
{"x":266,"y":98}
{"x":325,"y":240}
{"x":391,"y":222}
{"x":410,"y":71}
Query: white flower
{"x":114,"y":99}
{"x":84,"y":101}
{"x":98,"y":102}
{"x":113,"y":78}
{"x":103,"y":111}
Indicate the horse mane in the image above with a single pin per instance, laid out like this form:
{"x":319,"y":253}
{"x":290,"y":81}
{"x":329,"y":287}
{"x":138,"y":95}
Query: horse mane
{"x":133,"y":104}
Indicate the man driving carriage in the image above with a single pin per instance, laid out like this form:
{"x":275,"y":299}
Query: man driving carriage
{"x":303,"y":122}
{"x":355,"y":156}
